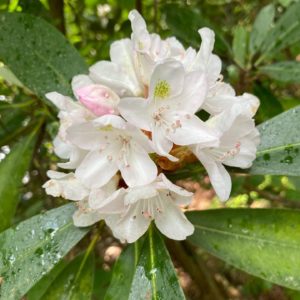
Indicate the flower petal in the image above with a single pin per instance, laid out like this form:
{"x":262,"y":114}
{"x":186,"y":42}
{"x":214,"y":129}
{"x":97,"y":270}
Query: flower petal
{"x":166,"y":81}
{"x":218,"y":175}
{"x":138,"y":169}
{"x":134,"y":110}
{"x":97,"y":169}
{"x":80,"y":81}
{"x":171,"y":215}
{"x":189,"y":129}
{"x":85,"y":216}
{"x":62,"y":102}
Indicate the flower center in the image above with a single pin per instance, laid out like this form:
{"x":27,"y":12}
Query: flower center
{"x":162,"y":89}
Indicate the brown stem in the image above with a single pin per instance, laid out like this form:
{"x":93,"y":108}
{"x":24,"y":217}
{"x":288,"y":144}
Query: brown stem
{"x":57,"y":12}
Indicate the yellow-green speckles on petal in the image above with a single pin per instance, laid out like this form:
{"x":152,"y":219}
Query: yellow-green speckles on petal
{"x":162,"y":89}
{"x":106,"y":128}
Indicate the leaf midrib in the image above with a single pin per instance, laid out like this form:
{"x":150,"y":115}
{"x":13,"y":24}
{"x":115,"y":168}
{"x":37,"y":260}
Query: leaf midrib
{"x":278,"y":148}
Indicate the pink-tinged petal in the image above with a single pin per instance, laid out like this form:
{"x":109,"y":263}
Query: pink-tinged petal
{"x":172,"y":222}
{"x":167,"y":81}
{"x":161,"y":144}
{"x":218,"y":175}
{"x":99,"y":99}
{"x":189,"y":129}
{"x":97,"y":168}
{"x":80,"y":81}
{"x":137,"y":168}
{"x":86,"y":136}
{"x":135,"y":111}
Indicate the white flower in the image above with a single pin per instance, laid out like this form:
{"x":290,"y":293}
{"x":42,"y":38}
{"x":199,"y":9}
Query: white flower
{"x":121,"y":73}
{"x":157,"y":201}
{"x":113,"y":145}
{"x":238,"y":142}
{"x":65,"y":185}
{"x":222,"y":96}
{"x":168,"y":113}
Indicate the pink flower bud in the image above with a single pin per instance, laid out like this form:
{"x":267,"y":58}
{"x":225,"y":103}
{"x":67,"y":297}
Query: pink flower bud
{"x":99,"y":99}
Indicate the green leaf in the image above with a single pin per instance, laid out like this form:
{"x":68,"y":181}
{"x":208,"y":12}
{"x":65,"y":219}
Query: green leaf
{"x":123,"y":273}
{"x":286,"y":71}
{"x":262,"y":242}
{"x":261,"y":27}
{"x":240,"y":45}
{"x":38,"y":291}
{"x":269,"y":104}
{"x":12,"y":171}
{"x":30,"y":250}
{"x":145,"y":273}
{"x":75,"y":282}
{"x":39,"y":55}
{"x":283,"y":34}
{"x":279,"y":150}
{"x":155,"y":277}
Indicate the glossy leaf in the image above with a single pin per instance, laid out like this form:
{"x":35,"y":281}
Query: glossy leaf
{"x":123,"y":273}
{"x":240,"y":45}
{"x":155,"y":277}
{"x":262,"y":242}
{"x":283,"y":34}
{"x":279,"y":150}
{"x":31,"y":249}
{"x":286,"y":71}
{"x":12,"y":171}
{"x":262,"y":25}
{"x":75,"y":282}
{"x":38,"y":291}
{"x":38,"y":54}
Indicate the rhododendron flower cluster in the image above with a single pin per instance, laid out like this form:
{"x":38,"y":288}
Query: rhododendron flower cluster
{"x":140,"y":105}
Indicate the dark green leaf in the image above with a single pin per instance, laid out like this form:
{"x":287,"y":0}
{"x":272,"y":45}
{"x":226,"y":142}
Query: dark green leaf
{"x":286,"y":71}
{"x":75,"y":282}
{"x":262,"y":242}
{"x":269,"y":104}
{"x":38,"y":54}
{"x":12,"y":171}
{"x":30,"y":250}
{"x":240,"y":45}
{"x":279,"y":150}
{"x":283,"y":34}
{"x":39,"y":290}
{"x":155,"y":277}
{"x":123,"y":273}
{"x":262,"y":25}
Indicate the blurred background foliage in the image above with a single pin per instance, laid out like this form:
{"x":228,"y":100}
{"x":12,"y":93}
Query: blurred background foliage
{"x":252,"y":62}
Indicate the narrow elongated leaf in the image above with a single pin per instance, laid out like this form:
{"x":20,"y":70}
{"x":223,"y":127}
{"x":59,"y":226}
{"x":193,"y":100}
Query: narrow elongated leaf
{"x":286,"y":71}
{"x":155,"y":277}
{"x":38,"y":54}
{"x":262,"y":242}
{"x":240,"y":45}
{"x":284,"y":33}
{"x":30,"y":250}
{"x":75,"y":282}
{"x":279,"y":150}
{"x":38,"y":291}
{"x":12,"y":170}
{"x":123,"y":273}
{"x":262,"y":25}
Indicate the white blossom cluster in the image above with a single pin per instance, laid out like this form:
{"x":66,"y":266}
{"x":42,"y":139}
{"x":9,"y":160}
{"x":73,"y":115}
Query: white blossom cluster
{"x":144,"y":100}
